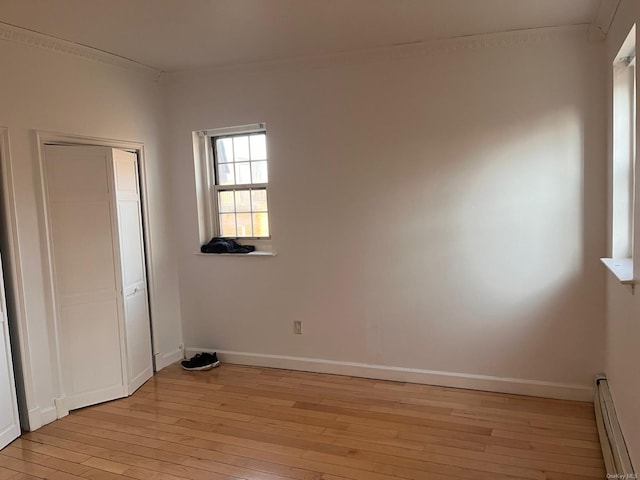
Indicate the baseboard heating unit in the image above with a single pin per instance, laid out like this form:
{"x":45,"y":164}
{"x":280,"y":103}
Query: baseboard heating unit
{"x":614,"y":450}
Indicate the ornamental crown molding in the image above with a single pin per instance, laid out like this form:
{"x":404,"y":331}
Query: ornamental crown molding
{"x":510,"y":39}
{"x":24,"y":36}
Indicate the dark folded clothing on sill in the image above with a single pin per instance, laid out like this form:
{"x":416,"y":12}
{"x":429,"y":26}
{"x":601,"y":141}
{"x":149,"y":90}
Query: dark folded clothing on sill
{"x":225,"y":245}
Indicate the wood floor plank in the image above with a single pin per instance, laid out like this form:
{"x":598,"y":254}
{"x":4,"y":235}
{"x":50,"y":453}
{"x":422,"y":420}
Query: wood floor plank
{"x":250,"y":423}
{"x":555,"y":457}
{"x":579,"y":432}
{"x":22,"y":466}
{"x":64,"y":476}
{"x":176,"y":453}
{"x":52,"y":451}
{"x":561,"y":441}
{"x":23,"y":452}
{"x":6,"y":474}
{"x":474,"y":459}
{"x":23,"y":476}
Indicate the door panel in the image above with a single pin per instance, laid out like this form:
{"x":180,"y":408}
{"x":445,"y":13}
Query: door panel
{"x":130,"y":225}
{"x":87,"y":287}
{"x":83,"y":246}
{"x":134,"y":283}
{"x":126,"y":172}
{"x":95,"y":360}
{"x":138,"y":342}
{"x":70,"y":175}
{"x":9,"y":423}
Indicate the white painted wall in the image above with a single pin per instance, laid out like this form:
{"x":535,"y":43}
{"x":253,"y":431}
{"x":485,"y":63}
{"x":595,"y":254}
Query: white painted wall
{"x":623,"y":305}
{"x":444,"y":212}
{"x":43,"y":90}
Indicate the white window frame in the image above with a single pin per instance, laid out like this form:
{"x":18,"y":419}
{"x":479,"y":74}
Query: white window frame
{"x":624,"y":155}
{"x":207,"y":189}
{"x":624,"y":197}
{"x":217,"y":188}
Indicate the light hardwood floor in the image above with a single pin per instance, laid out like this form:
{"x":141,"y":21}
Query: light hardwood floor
{"x":237,"y":422}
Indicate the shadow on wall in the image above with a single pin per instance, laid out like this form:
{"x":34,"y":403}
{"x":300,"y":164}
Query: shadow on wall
{"x":511,"y":214}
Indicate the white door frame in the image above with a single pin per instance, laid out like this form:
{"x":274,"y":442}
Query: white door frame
{"x":52,"y":138}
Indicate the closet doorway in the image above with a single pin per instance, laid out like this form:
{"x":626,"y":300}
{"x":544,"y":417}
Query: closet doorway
{"x":96,"y":251}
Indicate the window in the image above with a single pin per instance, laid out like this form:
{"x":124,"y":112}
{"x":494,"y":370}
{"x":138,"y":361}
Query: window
{"x":624,"y":149}
{"x":240,"y":187}
{"x":624,"y":242}
{"x":232,"y":185}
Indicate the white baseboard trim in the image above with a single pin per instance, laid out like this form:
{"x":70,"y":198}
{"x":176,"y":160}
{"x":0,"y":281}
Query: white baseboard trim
{"x":41,"y":416}
{"x":515,"y":386}
{"x":48,"y":415}
{"x":35,"y":419}
{"x":61,"y":406}
{"x":166,"y":359}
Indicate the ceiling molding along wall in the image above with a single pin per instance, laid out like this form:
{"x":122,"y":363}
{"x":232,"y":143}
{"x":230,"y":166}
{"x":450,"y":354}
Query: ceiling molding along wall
{"x":515,"y":38}
{"x":604,"y":18}
{"x":510,"y":39}
{"x":15,"y":34}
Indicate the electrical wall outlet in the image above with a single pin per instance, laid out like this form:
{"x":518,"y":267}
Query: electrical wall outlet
{"x":297,"y":327}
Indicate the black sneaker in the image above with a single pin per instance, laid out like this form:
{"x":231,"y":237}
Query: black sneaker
{"x":201,"y":361}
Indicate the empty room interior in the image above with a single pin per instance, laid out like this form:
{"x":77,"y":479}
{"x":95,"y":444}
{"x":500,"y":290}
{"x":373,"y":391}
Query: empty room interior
{"x":319,"y":240}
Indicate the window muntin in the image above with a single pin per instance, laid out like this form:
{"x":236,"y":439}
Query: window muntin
{"x":241,"y":185}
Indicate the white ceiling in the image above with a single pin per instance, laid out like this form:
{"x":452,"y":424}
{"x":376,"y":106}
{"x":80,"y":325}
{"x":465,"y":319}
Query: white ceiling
{"x":183,"y":34}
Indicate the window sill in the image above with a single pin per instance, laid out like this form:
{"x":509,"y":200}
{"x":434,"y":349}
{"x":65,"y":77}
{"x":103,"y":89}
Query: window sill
{"x":622,"y":268}
{"x":250,"y":254}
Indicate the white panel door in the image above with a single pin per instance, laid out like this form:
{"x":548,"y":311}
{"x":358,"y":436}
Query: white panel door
{"x":9,"y":421}
{"x":134,"y":282}
{"x":79,"y":188}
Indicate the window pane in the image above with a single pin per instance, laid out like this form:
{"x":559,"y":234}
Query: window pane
{"x":241,"y":148}
{"x":243,"y":200}
{"x":259,"y":201}
{"x":227,"y":225}
{"x":259,"y":172}
{"x":243,"y":173}
{"x":225,"y":150}
{"x":244,"y":225}
{"x":258,"y":146}
{"x":225,"y":174}
{"x":225,"y":202}
{"x":261,"y":224}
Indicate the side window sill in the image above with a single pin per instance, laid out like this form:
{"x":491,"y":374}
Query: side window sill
{"x":622,"y":268}
{"x":250,"y":254}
